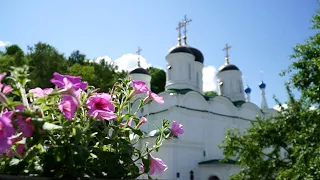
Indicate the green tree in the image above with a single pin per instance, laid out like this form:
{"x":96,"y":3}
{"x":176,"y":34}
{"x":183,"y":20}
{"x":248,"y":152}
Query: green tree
{"x":44,"y":61}
{"x":158,"y":79}
{"x":13,"y":49}
{"x":85,"y":71}
{"x":105,"y":75}
{"x":77,"y":57}
{"x":286,"y":146}
{"x":211,"y":93}
{"x":13,"y":56}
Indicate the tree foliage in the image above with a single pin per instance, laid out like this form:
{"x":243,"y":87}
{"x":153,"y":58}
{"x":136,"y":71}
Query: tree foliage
{"x":158,"y":79}
{"x":210,"y":93}
{"x":44,"y":59}
{"x":286,"y":146}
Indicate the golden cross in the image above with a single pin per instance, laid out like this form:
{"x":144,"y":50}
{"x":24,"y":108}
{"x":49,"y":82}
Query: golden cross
{"x":138,"y":53}
{"x":227,"y":52}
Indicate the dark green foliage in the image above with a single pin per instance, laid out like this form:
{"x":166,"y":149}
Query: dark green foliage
{"x":44,"y":61}
{"x":158,"y":79}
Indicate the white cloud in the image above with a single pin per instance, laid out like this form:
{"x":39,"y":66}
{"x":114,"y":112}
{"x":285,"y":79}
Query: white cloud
{"x":106,"y":58}
{"x":4,"y":43}
{"x":209,"y":82}
{"x":126,"y":62}
{"x":130,"y":61}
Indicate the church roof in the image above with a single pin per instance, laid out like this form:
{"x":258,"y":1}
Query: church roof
{"x":217,"y":161}
{"x":198,"y":54}
{"x":228,"y":67}
{"x":139,"y":70}
{"x":188,"y":49}
{"x":177,"y":49}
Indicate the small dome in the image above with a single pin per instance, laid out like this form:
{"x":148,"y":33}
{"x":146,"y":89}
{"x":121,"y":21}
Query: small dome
{"x":198,"y":54}
{"x":139,"y":71}
{"x":177,"y":49}
{"x":262,"y":85}
{"x":228,"y":67}
{"x":247,"y":90}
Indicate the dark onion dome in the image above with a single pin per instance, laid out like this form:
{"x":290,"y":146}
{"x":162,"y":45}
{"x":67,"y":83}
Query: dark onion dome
{"x":187,"y":49}
{"x":228,"y":67}
{"x":177,"y":49}
{"x":247,"y":90}
{"x":262,"y":85}
{"x":198,"y":54}
{"x":139,"y":70}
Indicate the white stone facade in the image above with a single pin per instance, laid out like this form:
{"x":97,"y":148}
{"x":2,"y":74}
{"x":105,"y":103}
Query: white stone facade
{"x":205,"y":120}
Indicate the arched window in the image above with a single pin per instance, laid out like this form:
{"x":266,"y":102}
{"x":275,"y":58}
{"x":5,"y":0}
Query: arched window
{"x":213,"y":178}
{"x":221,"y":87}
{"x":169,"y":72}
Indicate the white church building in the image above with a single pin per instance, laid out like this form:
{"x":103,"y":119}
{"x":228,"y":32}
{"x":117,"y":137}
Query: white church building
{"x":195,"y":154}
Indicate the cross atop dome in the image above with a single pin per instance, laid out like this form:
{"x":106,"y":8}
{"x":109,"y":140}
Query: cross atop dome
{"x":179,"y":27}
{"x":227,"y":53}
{"x":138,"y":53}
{"x":186,"y":21}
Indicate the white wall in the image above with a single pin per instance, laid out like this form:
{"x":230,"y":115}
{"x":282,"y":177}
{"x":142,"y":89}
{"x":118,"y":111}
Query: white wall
{"x":204,"y":131}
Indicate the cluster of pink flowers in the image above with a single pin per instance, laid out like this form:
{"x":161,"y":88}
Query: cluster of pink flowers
{"x":7,"y":130}
{"x":99,"y":105}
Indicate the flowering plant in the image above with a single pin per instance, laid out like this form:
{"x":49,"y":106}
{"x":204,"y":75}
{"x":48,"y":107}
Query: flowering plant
{"x":75,"y":131}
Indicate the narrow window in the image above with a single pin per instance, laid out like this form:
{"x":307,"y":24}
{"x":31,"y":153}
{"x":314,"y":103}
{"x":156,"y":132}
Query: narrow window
{"x":189,"y":71}
{"x":169,"y":71}
{"x":197,"y":79}
{"x":221,"y":87}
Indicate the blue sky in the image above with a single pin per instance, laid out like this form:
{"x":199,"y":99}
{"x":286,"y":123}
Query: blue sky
{"x":261,"y":33}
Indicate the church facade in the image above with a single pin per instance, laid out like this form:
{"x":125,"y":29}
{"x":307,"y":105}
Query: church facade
{"x":196,"y":154}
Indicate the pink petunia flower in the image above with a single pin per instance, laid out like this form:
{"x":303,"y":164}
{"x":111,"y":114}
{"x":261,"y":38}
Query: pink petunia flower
{"x":100,"y":106}
{"x":64,"y":80}
{"x":20,"y":148}
{"x":38,"y":92}
{"x":6,"y":130}
{"x":25,"y":125}
{"x":154,"y":97}
{"x":68,"y":106}
{"x":2,"y":75}
{"x":139,"y":87}
{"x":124,"y":124}
{"x":176,"y":129}
{"x":156,"y":165}
{"x":5,"y":89}
{"x":142,"y":121}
